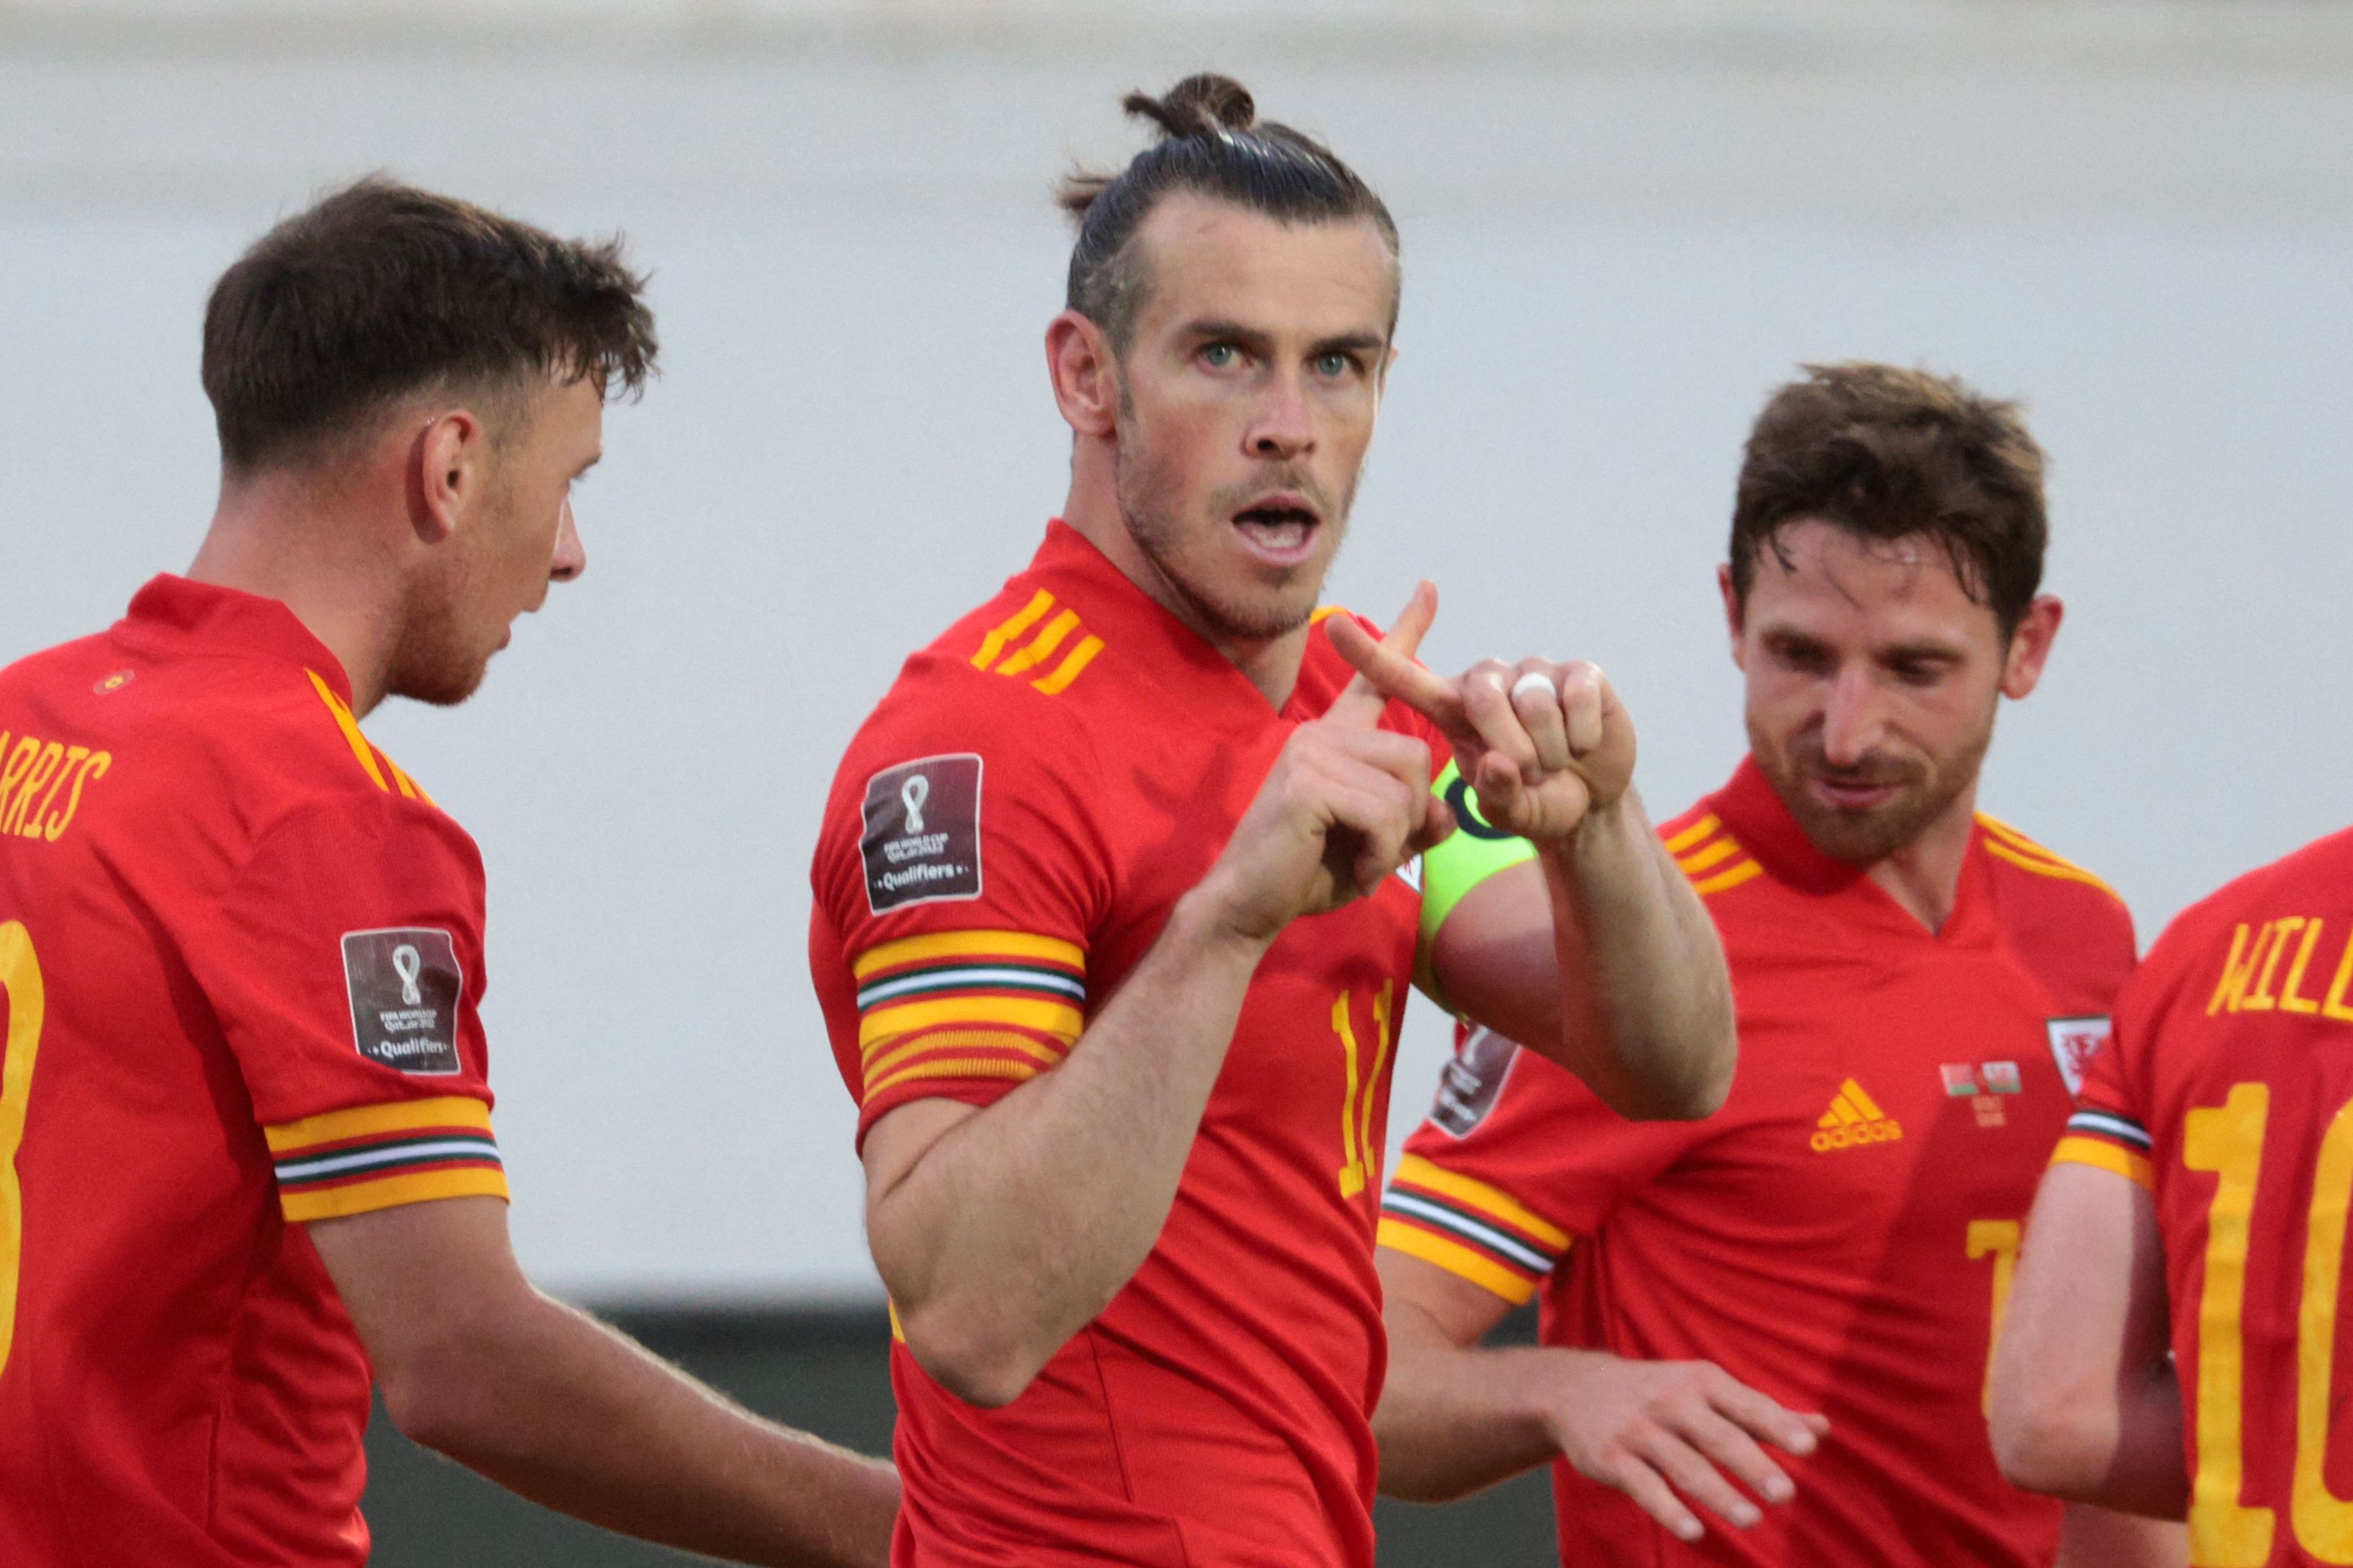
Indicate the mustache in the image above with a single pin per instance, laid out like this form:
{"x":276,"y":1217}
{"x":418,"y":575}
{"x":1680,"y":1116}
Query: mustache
{"x":1873,"y":770}
{"x":1275,"y":476}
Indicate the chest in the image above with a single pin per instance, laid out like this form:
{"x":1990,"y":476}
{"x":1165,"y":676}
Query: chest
{"x":1885,"y":1099}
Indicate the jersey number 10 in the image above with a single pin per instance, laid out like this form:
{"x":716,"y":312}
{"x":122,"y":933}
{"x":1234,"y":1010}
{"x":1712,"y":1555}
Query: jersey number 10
{"x":2228,"y":1140}
{"x":20,"y":986}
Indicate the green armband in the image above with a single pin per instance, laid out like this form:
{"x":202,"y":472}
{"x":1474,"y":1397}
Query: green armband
{"x":1471,"y":853}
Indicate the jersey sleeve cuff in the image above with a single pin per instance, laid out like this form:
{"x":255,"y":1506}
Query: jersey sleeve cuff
{"x":965,"y":1015}
{"x":1470,"y":1229}
{"x":380,"y":1156}
{"x":2107,"y":1141}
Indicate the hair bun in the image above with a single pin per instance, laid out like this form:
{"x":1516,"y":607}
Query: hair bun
{"x":1206,"y":104}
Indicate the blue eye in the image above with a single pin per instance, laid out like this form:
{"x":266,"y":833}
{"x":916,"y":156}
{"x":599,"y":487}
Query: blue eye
{"x":1218,"y":356}
{"x":1334,"y":365}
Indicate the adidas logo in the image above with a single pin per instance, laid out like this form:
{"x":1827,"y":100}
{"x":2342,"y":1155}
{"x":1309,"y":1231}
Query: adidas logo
{"x":1853,"y":1120}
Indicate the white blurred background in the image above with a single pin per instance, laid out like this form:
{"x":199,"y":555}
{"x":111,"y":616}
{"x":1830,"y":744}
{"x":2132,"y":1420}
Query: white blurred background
{"x":1622,"y":225}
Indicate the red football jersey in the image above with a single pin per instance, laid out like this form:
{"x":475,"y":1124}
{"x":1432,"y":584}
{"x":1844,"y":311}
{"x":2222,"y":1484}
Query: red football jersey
{"x":1840,"y":1235}
{"x":2227,"y":1093}
{"x":1004,"y":841}
{"x":240,"y":955}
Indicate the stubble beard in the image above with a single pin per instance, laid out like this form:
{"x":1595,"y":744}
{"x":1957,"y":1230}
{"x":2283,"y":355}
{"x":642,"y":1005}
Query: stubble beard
{"x":1929,"y":788}
{"x":1154,"y":520}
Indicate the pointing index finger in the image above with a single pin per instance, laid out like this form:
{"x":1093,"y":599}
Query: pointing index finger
{"x":1385,"y":669}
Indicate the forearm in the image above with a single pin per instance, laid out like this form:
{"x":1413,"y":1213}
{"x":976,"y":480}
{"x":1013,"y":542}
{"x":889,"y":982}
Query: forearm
{"x":1019,"y":1224}
{"x":1646,"y":1006}
{"x":553,"y":1405}
{"x":1453,"y":1420}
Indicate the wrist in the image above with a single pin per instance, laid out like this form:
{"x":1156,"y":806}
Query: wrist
{"x":1218,"y":928}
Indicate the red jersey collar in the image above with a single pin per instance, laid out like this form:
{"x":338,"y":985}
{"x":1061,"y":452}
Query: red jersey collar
{"x":231,"y":619}
{"x":1756,"y":816}
{"x":1145,"y":629}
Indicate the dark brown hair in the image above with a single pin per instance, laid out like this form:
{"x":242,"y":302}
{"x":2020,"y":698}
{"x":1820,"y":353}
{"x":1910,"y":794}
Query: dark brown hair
{"x":381,"y":291}
{"x":1888,"y":452}
{"x":1213,"y":143}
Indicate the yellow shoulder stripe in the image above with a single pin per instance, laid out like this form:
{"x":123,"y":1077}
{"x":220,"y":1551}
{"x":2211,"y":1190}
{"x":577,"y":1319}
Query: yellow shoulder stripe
{"x":2057,"y":869}
{"x":967,"y":944}
{"x":1707,"y":855}
{"x":2102,"y":1155}
{"x":1740,"y":873}
{"x":1418,"y":1172}
{"x":1456,"y":1259}
{"x":366,"y":1121}
{"x":1012,"y":626}
{"x":350,"y":727}
{"x":1325,"y":612}
{"x":1696,"y":833}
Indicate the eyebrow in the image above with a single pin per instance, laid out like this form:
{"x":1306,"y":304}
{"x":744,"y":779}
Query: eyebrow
{"x":1213,"y":330}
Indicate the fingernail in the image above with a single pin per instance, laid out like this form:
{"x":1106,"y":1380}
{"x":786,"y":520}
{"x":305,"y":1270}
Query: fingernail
{"x":1688,"y":1530}
{"x":1745,"y":1515}
{"x":1777,"y":1490}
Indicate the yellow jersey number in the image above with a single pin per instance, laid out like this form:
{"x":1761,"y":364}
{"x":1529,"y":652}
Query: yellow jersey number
{"x":20,"y":983}
{"x":2226,"y":1140}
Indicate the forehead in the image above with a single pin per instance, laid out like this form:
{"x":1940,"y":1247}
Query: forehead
{"x":1209,"y":259}
{"x":1821,"y":580}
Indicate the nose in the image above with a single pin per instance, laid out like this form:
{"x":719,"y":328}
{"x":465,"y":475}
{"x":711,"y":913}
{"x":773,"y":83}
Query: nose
{"x":571,"y":556}
{"x":1850,"y":719}
{"x":1281,"y":429}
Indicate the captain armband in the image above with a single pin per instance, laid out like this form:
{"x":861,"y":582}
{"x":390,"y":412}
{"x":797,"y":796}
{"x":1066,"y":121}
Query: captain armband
{"x":1471,"y":854}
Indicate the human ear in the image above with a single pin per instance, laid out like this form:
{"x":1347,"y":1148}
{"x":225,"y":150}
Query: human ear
{"x":446,"y":473}
{"x":2030,"y":645}
{"x":1080,"y":363}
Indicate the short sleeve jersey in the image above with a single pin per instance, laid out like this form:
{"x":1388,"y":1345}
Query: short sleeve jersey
{"x":240,"y":959}
{"x":1004,"y":842}
{"x":1841,"y":1233}
{"x":2226,"y":1094}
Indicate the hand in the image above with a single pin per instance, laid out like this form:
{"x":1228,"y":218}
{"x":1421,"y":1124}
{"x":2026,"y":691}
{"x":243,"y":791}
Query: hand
{"x":1543,"y":744}
{"x":1345,"y":804}
{"x":1653,"y":1429}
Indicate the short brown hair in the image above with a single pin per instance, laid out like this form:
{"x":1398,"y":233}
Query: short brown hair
{"x":1888,"y":452}
{"x":381,"y":291}
{"x":1212,"y":144}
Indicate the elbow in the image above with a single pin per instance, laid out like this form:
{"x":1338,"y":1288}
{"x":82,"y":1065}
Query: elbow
{"x":979,"y":1362}
{"x":434,"y":1396}
{"x":1695,"y":1090}
{"x":2047,"y":1444}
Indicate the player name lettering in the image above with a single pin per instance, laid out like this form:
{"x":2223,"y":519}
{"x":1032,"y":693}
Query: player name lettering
{"x":920,"y":846}
{"x":894,"y":880}
{"x":410,"y":1019}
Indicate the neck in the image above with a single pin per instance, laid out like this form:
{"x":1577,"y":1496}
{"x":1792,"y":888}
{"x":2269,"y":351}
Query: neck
{"x":1271,"y":664}
{"x":1925,"y":875}
{"x":285,"y":538}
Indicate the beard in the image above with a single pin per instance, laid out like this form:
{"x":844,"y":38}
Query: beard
{"x":1245,"y":609}
{"x":435,"y":660}
{"x":1925,"y":788}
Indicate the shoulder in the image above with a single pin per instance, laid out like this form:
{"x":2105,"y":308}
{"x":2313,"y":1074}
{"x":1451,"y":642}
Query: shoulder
{"x":1708,"y":854}
{"x":2307,"y":882}
{"x":2030,"y":876}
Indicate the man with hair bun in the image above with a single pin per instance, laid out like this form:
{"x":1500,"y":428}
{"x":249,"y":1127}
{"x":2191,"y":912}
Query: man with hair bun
{"x":1820,"y":1267}
{"x":246,"y":1156}
{"x":1115,"y":911}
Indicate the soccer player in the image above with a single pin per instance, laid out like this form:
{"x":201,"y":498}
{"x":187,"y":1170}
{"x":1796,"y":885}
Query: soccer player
{"x":1818,"y":1267}
{"x":1123,"y":1108}
{"x":245,"y":1155}
{"x":2190,"y":1236}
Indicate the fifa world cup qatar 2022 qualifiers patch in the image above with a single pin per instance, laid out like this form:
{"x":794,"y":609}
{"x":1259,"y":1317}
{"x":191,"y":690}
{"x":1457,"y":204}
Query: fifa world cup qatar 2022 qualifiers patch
{"x":405,"y":984}
{"x":921,"y":841}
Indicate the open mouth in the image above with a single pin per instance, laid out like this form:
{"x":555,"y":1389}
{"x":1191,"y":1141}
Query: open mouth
{"x":1280,"y":530}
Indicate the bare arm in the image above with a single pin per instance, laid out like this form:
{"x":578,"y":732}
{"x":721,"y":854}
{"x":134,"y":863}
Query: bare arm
{"x":2085,"y":1405}
{"x":1455,"y":1418}
{"x":1001,"y":1231}
{"x":1601,"y":957}
{"x":555,"y":1406}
